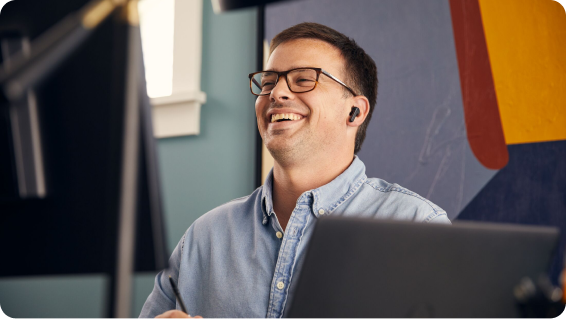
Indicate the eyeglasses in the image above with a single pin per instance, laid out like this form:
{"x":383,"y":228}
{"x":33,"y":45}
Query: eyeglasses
{"x":299,"y":80}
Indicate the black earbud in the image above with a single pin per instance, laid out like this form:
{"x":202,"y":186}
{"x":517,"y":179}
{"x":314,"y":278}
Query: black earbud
{"x":354,"y":113}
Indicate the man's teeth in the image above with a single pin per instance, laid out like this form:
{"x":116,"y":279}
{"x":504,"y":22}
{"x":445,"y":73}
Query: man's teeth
{"x":292,"y":117}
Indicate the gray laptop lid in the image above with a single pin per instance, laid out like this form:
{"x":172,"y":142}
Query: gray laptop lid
{"x":378,"y":268}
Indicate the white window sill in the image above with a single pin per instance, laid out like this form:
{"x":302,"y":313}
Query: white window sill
{"x":178,"y":114}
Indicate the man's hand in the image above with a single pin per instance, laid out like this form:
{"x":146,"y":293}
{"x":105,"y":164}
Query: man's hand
{"x":175,"y":314}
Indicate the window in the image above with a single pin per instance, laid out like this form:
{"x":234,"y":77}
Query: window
{"x":171,"y":33}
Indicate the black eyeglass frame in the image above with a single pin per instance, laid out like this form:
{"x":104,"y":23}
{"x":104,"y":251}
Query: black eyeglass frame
{"x":284,"y":73}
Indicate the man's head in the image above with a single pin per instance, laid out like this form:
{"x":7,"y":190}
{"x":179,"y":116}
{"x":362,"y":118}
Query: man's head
{"x":323,"y":112}
{"x":360,"y":69}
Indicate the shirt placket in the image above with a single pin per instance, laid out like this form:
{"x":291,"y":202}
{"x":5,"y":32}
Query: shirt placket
{"x":288,"y":256}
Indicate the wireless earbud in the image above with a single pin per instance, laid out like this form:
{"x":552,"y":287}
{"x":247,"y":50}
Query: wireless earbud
{"x":354,"y":113}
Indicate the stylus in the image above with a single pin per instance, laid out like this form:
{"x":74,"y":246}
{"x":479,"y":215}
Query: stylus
{"x":178,"y":295}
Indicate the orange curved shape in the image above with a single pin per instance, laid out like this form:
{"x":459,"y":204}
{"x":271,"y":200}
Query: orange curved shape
{"x":526,"y":41}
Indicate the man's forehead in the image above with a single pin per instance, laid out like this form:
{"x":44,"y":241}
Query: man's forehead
{"x":307,"y":43}
{"x":301,"y":53}
{"x":292,"y":67}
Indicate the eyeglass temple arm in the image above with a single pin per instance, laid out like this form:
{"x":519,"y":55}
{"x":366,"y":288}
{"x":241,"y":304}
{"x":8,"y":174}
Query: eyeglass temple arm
{"x":256,"y":83}
{"x":335,"y":79}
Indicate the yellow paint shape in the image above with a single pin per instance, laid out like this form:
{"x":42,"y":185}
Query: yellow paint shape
{"x":526,"y":40}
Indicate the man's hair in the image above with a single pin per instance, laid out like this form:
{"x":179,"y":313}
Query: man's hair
{"x":360,"y":69}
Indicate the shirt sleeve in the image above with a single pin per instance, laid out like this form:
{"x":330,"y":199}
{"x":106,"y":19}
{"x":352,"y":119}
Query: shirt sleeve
{"x":437,"y":215}
{"x":162,"y":297}
{"x":440,"y":218}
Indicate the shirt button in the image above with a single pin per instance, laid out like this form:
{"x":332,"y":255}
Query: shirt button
{"x":321,"y":212}
{"x":280,"y":285}
{"x":279,"y":234}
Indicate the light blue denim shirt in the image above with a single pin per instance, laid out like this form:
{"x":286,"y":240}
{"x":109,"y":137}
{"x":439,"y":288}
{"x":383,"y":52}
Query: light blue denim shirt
{"x":231,"y":262}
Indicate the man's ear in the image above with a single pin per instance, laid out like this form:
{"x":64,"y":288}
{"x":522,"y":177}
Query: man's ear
{"x":362,"y":103}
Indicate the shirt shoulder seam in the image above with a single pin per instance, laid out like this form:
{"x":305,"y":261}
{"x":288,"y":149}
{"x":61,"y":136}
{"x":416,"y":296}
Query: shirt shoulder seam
{"x":183,"y":240}
{"x":354,"y":189}
{"x":237,"y":199}
{"x":402,"y":190}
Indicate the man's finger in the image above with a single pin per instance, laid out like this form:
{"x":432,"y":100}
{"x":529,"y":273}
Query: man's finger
{"x":173,"y":314}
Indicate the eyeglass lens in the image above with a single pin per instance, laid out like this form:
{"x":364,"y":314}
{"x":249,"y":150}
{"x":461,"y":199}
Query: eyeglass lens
{"x":298,"y":81}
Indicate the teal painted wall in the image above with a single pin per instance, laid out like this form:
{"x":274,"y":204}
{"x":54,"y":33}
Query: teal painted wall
{"x":198,"y":173}
{"x":54,"y":296}
{"x":204,"y":171}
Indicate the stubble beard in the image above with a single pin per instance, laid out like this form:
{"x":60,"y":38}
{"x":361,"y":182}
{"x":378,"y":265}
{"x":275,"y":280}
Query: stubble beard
{"x":291,"y":153}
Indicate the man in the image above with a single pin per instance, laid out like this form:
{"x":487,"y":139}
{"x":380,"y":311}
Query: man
{"x":313,"y":106}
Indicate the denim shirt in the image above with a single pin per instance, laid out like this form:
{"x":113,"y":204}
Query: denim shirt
{"x":236,"y":260}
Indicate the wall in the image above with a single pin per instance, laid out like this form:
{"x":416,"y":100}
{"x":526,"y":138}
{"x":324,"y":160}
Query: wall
{"x":526,"y":42}
{"x":470,"y":112}
{"x":198,"y":172}
{"x":204,"y":171}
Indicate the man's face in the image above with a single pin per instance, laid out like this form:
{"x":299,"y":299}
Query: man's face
{"x":320,"y":116}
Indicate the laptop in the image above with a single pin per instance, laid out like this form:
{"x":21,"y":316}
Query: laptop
{"x":358,"y":267}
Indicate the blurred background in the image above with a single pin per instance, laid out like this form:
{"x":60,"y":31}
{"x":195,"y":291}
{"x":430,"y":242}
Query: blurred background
{"x":198,"y":172}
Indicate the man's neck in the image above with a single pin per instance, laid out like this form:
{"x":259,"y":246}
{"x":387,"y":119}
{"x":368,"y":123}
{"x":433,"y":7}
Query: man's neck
{"x":290,"y":181}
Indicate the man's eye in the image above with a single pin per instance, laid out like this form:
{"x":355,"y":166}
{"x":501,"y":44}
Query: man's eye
{"x":267,"y":84}
{"x":304,"y":81}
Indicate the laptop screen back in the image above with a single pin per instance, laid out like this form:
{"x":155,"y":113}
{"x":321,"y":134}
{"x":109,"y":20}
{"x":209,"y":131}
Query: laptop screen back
{"x":378,"y":268}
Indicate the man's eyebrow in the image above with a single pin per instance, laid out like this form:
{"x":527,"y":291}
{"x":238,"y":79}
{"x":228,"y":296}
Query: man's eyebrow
{"x":291,"y":68}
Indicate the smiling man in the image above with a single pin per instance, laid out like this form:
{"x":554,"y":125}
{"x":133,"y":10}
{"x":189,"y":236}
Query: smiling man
{"x":314,"y":102}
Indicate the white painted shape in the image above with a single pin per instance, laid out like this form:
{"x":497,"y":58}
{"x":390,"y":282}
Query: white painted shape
{"x":196,"y":96}
{"x":176,"y":119}
{"x":156,"y":25}
{"x":188,"y":46}
{"x":173,"y":112}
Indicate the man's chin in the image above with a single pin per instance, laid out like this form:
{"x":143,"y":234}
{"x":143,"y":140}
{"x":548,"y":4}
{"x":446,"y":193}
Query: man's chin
{"x":287,"y":154}
{"x":279,"y":150}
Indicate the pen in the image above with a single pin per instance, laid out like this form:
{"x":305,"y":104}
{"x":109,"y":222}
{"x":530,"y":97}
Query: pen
{"x":178,"y":295}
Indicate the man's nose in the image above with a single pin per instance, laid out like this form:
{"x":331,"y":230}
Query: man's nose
{"x":281,"y":90}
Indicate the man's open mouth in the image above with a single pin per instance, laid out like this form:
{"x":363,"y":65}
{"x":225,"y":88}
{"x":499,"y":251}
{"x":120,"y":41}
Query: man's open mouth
{"x":285,"y":117}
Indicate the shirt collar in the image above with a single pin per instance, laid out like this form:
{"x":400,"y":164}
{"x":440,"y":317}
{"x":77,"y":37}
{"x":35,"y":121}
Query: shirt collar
{"x":266,"y":197}
{"x":326,"y":197}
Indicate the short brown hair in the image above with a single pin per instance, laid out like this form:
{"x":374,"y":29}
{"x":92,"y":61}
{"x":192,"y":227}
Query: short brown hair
{"x":360,"y":69}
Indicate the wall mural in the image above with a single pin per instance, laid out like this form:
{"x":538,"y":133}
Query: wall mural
{"x":471,"y":109}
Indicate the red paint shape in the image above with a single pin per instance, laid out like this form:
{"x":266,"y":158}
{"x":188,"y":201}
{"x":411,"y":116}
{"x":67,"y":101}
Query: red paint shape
{"x":483,"y":122}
